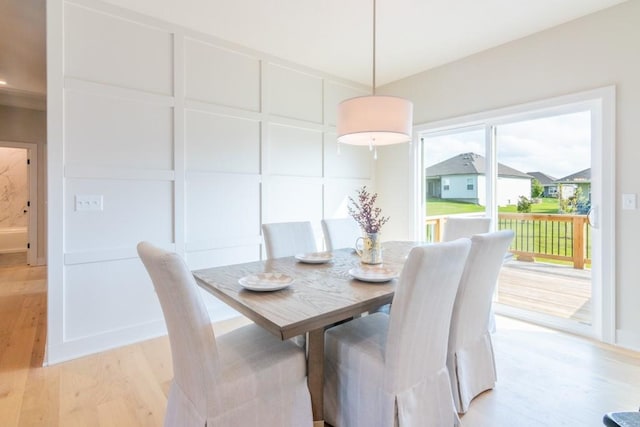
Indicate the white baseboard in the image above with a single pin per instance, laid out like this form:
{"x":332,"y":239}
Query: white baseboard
{"x":57,"y":353}
{"x":68,"y":350}
{"x":628,"y":339}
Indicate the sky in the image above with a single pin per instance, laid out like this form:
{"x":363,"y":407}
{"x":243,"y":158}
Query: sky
{"x":558,"y":146}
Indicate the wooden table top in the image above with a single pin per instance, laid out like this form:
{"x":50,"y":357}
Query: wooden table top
{"x":320,"y":295}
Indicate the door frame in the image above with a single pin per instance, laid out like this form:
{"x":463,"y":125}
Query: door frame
{"x":32,"y":155}
{"x":601,"y":102}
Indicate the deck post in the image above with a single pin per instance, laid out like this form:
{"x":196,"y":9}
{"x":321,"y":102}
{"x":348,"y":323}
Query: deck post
{"x":578,"y":242}
{"x":439,"y":229}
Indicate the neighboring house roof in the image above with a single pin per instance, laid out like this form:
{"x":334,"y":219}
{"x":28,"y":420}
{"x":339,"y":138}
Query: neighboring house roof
{"x":543,"y":178}
{"x":583,"y":176}
{"x":469,"y":164}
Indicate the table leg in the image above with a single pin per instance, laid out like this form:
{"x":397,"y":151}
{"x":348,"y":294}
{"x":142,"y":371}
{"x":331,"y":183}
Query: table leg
{"x":315,"y":374}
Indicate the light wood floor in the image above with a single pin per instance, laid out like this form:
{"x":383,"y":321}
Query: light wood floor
{"x":545,"y":377}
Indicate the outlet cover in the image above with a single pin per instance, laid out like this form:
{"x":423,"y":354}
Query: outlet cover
{"x":629,"y":201}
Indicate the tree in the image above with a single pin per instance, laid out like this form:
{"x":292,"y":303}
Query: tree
{"x":536,"y":189}
{"x":524,"y":205}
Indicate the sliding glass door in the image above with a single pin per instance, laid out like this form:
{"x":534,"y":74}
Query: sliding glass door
{"x":544,"y":195}
{"x":539,"y":172}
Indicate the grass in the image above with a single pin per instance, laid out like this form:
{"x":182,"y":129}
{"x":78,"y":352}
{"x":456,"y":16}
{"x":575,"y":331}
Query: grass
{"x":447,"y":207}
{"x":546,"y":206}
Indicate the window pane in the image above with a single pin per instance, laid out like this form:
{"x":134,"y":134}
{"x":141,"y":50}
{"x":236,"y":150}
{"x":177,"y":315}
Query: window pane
{"x":454,"y":176}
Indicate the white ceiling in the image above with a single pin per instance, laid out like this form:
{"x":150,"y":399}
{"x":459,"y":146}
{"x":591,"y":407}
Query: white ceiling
{"x":334,"y":36}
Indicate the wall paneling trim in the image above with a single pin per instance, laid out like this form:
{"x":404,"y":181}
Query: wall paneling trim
{"x":191,"y":143}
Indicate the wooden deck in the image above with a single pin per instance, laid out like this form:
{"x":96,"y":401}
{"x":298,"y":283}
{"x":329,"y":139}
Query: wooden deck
{"x":556,"y":290}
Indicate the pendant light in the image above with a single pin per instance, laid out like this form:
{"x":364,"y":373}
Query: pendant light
{"x":375,"y":119}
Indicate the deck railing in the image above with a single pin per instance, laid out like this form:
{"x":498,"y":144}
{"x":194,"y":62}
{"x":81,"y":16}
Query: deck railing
{"x":548,"y":236}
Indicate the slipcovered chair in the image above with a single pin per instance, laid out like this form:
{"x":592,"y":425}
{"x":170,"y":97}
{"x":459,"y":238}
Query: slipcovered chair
{"x":457,"y":227}
{"x":340,"y":233}
{"x":390,"y":370}
{"x":283,"y":239}
{"x":470,"y":359}
{"x":248,"y":378}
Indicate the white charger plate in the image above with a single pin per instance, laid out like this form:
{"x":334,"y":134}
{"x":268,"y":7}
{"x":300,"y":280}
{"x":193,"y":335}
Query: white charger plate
{"x":315,"y":257}
{"x":373,"y":273}
{"x":263,"y":282}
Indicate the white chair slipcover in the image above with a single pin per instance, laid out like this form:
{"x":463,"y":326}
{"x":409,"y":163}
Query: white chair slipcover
{"x":283,"y":239}
{"x":457,"y":227}
{"x":250,"y":378}
{"x":340,"y":233}
{"x":470,"y":358}
{"x":390,"y":370}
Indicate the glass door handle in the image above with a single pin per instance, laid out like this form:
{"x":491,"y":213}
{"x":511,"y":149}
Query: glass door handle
{"x":592,"y":217}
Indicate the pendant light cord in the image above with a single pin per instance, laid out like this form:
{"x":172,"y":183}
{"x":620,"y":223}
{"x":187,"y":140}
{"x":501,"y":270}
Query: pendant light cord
{"x":374,"y":47}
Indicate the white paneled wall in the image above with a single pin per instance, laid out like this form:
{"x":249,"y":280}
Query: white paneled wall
{"x":208,"y":68}
{"x":116,"y":131}
{"x":294,"y":94}
{"x":192,"y":143}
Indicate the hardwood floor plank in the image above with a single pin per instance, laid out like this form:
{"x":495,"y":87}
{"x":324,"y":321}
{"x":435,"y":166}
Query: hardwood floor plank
{"x":41,"y":401}
{"x":13,"y":370}
{"x":155,"y":352}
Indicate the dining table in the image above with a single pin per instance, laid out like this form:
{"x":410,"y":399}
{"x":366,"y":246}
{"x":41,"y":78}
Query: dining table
{"x":322,"y":292}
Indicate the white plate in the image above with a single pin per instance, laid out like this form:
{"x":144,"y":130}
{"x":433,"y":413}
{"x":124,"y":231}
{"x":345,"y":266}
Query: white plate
{"x":262,"y":282}
{"x":373,"y":273}
{"x":315,"y":257}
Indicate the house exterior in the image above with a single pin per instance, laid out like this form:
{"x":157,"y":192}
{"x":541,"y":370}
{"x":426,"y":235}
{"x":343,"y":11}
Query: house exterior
{"x":548,"y":183}
{"x":463,"y":178}
{"x":569,"y":184}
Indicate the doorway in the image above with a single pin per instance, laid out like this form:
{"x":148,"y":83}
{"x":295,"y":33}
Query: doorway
{"x":18,"y":203}
{"x":550,"y":275}
{"x":540,"y":169}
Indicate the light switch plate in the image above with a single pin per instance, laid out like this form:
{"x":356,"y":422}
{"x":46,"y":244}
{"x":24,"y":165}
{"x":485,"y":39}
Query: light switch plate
{"x":88,"y":202}
{"x":629,"y":201}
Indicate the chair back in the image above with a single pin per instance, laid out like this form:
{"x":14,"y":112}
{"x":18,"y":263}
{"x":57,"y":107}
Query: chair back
{"x":457,"y":227}
{"x":421,"y":313}
{"x":288,"y":238}
{"x":193,"y":346}
{"x":475,"y":292}
{"x":340,"y":233}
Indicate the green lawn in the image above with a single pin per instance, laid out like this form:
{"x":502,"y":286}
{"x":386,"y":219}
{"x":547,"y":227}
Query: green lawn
{"x":446,"y":207}
{"x":546,"y":206}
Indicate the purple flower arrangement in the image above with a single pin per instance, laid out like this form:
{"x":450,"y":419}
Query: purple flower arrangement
{"x":365,"y":213}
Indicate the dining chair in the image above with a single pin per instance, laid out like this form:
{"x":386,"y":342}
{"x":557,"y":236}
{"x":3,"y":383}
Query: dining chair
{"x":340,"y":233}
{"x":622,"y":419}
{"x":470,"y":358}
{"x":457,"y":227}
{"x":390,"y":370}
{"x":246,"y":377}
{"x":283,"y":239}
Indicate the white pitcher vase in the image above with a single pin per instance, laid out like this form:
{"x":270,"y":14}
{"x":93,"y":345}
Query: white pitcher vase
{"x":369,"y":248}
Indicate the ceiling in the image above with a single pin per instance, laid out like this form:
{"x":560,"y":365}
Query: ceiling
{"x":334,"y":36}
{"x":23,"y":53}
